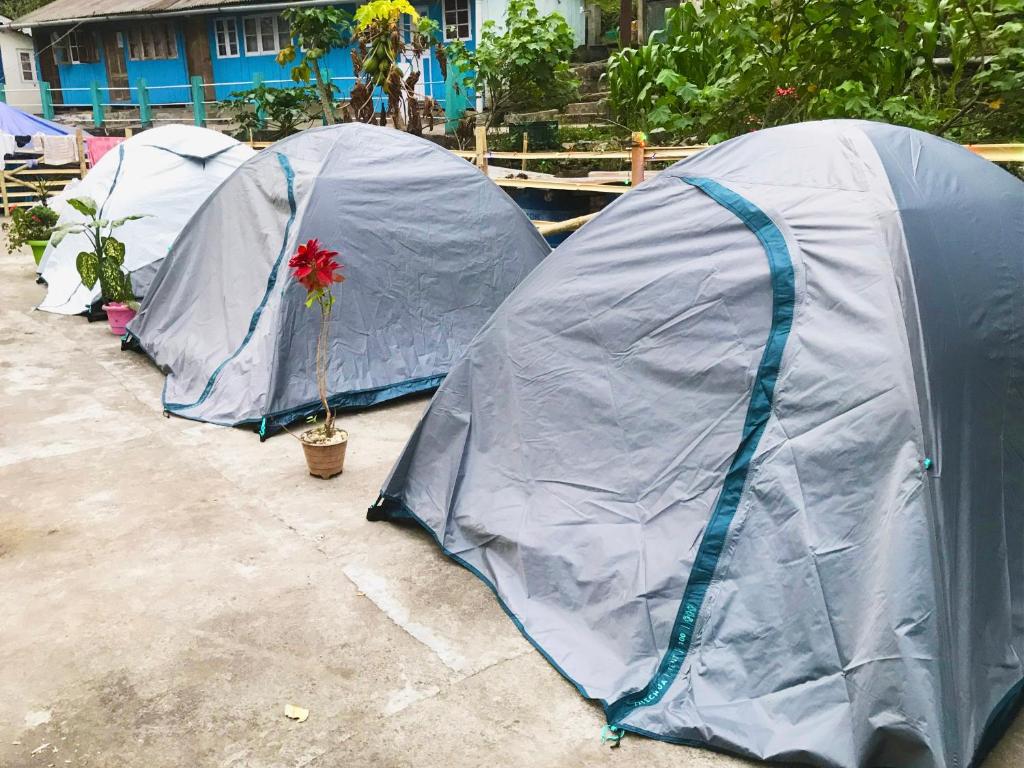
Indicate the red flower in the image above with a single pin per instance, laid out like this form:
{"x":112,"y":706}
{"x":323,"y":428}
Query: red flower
{"x":315,"y":267}
{"x":784,"y":92}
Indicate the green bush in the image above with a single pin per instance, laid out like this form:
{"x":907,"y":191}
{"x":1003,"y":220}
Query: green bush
{"x":524,"y":68}
{"x":273,"y":112}
{"x":32,"y":224}
{"x":951,"y":67}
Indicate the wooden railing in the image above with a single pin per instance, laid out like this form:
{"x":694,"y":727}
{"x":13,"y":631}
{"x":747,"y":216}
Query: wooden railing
{"x":17,"y":191}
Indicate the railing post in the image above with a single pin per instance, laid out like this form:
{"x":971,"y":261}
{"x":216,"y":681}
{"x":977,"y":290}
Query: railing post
{"x":261,"y":114}
{"x":83,"y":164}
{"x":145,"y":111}
{"x":97,"y":104}
{"x":46,"y":99}
{"x":3,"y":191}
{"x":480,"y":135}
{"x":636,"y":171}
{"x":198,"y":107}
{"x":526,"y":145}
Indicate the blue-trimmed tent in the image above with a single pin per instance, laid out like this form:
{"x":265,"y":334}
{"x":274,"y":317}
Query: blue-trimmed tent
{"x":430,"y":248}
{"x":744,"y":458}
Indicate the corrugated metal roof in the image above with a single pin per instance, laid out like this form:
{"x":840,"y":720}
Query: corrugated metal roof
{"x":65,"y":10}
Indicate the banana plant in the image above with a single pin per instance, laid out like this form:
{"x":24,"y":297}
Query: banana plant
{"x":104,"y":263}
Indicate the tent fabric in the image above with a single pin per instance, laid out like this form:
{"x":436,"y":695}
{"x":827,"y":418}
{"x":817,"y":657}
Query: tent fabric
{"x":744,"y":457}
{"x":430,"y":247}
{"x":164,"y":174}
{"x":18,"y":123}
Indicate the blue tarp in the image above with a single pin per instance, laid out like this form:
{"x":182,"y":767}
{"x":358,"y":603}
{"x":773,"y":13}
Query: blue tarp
{"x":18,"y":123}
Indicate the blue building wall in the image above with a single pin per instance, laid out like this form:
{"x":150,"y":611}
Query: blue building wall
{"x":238,"y":73}
{"x":162,"y":72}
{"x":231,"y":74}
{"x":77,"y":79}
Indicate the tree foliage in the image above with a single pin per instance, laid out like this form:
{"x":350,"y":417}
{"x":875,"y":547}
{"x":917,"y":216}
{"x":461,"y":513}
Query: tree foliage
{"x":316,"y":32}
{"x":12,"y":9}
{"x":523,"y":67}
{"x":951,"y":67}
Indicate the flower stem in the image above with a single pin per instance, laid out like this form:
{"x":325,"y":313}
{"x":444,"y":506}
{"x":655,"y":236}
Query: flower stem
{"x":321,"y":361}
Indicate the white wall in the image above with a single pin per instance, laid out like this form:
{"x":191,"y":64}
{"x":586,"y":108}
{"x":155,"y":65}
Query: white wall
{"x":572,"y":10}
{"x":21,"y":93}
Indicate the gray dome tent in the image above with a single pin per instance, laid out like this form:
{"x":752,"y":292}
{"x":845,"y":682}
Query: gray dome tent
{"x":744,"y":458}
{"x":430,"y":248}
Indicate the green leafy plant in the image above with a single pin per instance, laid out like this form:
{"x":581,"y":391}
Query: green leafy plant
{"x":952,"y":67}
{"x":273,"y":112}
{"x":525,"y":67}
{"x":34,"y":224}
{"x":317,"y":32}
{"x":105,"y":261}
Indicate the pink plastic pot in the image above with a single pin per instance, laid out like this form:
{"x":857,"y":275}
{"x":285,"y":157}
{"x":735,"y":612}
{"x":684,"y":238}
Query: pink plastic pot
{"x":118,"y":316}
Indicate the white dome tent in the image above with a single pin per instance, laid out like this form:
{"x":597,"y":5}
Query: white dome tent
{"x":164,"y":174}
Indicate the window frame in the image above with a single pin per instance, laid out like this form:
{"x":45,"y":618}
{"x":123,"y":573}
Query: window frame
{"x":152,"y":47}
{"x":279,"y":26}
{"x":22,"y":52}
{"x":72,"y":47}
{"x":456,"y":9}
{"x":225,"y":26}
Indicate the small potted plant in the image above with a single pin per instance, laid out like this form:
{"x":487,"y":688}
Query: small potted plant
{"x":31,"y":227}
{"x":316,"y":270}
{"x":104,"y":262}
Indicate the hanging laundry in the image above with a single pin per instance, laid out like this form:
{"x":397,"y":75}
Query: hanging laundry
{"x":59,"y":150}
{"x":8,"y":145}
{"x":97,"y":146}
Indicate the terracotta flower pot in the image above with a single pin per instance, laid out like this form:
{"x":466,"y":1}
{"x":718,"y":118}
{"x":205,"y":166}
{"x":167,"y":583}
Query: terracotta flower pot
{"x":38,"y":248}
{"x":118,"y":316}
{"x":324,"y":459}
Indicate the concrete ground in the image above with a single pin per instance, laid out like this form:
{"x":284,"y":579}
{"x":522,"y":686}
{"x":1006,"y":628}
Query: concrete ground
{"x":166,"y":587}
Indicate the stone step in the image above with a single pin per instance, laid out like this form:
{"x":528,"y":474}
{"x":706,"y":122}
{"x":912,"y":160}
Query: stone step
{"x":598,"y":108}
{"x":590,"y":73}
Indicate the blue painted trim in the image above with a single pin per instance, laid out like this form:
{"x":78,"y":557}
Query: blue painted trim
{"x":758,"y":411}
{"x":289,"y":176}
{"x":358,"y":398}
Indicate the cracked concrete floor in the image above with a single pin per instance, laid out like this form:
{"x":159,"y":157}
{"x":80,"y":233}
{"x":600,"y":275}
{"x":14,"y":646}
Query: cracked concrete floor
{"x":167,"y":587}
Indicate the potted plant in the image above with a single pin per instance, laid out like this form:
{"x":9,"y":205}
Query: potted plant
{"x":31,"y":227}
{"x":316,"y":270}
{"x":104,"y":262}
